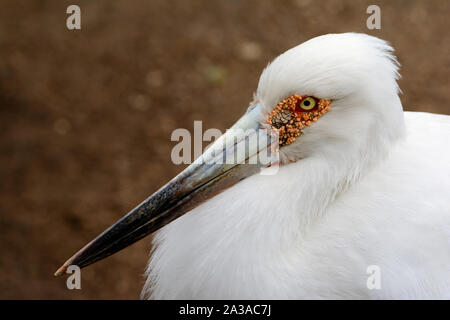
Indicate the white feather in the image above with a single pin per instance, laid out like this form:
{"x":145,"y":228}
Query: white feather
{"x":367,"y":184}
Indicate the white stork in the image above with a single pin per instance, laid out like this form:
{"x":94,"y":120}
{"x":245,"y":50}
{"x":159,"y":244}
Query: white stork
{"x":362,"y":186}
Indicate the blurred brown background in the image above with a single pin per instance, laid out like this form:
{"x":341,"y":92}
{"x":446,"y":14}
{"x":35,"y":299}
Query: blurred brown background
{"x":86,"y":116}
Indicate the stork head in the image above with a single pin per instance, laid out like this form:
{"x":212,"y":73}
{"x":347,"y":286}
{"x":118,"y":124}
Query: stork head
{"x":356,"y":72}
{"x":328,"y":98}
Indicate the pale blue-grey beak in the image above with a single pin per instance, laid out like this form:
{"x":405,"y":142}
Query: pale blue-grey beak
{"x":246,"y":148}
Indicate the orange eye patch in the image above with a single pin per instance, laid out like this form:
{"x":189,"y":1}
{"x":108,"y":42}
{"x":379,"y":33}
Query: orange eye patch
{"x":293,"y":114}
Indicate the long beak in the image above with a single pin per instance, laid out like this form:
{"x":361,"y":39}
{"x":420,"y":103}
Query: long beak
{"x":244,"y":150}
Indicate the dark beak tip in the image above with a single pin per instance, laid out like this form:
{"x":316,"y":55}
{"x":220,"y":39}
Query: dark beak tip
{"x":61,"y":270}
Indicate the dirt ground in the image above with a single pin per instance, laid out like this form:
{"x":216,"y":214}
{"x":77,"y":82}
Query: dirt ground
{"x":86,"y":116}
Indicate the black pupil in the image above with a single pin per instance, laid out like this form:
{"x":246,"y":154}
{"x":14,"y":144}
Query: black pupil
{"x":306,"y":103}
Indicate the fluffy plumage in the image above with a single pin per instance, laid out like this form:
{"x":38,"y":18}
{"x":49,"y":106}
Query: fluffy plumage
{"x":366,"y":185}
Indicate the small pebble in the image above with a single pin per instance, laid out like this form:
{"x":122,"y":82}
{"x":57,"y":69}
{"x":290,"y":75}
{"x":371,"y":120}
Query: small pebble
{"x":61,"y":126}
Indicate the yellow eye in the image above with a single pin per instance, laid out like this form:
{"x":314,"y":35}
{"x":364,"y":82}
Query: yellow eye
{"x":308,"y":103}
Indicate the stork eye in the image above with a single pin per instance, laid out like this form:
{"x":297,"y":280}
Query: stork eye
{"x":308,"y":103}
